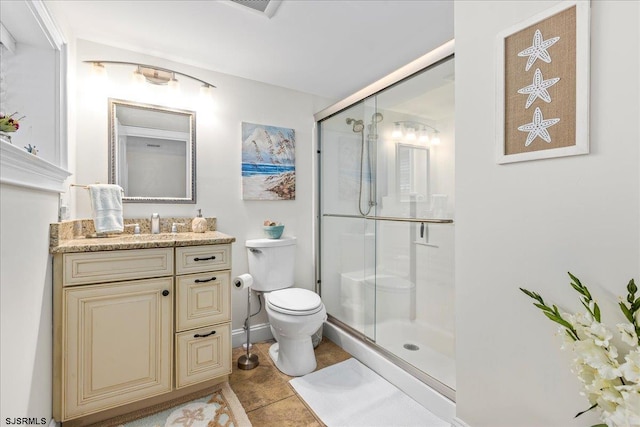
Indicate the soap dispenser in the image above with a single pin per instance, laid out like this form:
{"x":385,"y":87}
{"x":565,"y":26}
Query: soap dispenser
{"x":199,"y":224}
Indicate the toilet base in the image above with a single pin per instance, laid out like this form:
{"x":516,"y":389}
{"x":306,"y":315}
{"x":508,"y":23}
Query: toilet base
{"x":304,"y":361}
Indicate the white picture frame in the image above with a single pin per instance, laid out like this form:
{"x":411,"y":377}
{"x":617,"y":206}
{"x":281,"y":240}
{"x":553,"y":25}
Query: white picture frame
{"x":532,"y":62}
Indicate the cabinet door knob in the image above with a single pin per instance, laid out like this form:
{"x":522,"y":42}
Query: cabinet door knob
{"x":205,"y":280}
{"x":205,"y":259}
{"x":165,"y":293}
{"x":204,"y":335}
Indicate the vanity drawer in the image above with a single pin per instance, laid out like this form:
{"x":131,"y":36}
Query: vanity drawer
{"x":202,"y":299}
{"x":110,"y":266}
{"x":203,"y":354}
{"x":196,"y":259}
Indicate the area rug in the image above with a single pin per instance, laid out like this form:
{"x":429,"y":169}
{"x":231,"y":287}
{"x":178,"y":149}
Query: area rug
{"x":217,"y":408}
{"x":348,"y":394}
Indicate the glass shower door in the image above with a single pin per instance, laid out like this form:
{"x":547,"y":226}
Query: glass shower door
{"x":348,"y":249}
{"x":386,"y":221}
{"x":414,"y":280}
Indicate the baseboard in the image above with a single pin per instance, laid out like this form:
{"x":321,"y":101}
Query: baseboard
{"x":457,"y":422}
{"x":259,"y":333}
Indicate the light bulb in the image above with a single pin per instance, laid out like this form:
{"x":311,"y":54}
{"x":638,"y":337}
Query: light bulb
{"x":96,"y":87}
{"x":397,"y":131}
{"x":138,"y":77}
{"x":98,"y":72}
{"x":205,"y":91}
{"x":424,"y":136}
{"x":173,"y":84}
{"x":98,"y":75}
{"x":411,"y":134}
{"x":436,"y":139}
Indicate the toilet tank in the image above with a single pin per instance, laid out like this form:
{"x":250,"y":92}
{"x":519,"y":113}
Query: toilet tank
{"x":271,"y":263}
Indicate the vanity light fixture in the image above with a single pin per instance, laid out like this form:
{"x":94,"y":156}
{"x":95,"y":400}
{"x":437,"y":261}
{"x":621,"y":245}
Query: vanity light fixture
{"x":150,"y":74}
{"x":407,"y":129}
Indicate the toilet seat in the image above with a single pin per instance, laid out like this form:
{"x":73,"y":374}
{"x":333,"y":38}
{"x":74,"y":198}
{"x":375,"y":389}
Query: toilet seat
{"x":294,"y":301}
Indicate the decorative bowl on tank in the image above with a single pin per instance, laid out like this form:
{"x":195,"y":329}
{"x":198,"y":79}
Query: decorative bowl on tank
{"x":272,"y":229}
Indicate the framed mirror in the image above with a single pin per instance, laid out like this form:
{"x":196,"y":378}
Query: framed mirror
{"x":152,"y":152}
{"x":412,"y":172}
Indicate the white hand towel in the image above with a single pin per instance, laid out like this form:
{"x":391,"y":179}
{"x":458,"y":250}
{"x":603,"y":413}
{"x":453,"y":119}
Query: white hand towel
{"x":106,"y":204}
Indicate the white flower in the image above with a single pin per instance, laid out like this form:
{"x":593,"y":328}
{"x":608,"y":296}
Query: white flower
{"x":580,"y":322}
{"x":631,"y":368}
{"x":598,"y":357}
{"x":593,"y":383}
{"x":627,"y":413}
{"x":599,"y":333}
{"x":613,"y":388}
{"x":567,"y":341}
{"x":628,"y":333}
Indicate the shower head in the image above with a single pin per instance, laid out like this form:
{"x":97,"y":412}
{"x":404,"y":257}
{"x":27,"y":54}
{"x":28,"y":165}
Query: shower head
{"x":377,"y":117}
{"x":358,"y":125}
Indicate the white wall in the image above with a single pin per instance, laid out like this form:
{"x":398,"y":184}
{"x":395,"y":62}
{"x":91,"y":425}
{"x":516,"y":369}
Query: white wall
{"x":527,"y":224}
{"x":218,"y":152}
{"x":25,"y":302}
{"x":30,"y":91}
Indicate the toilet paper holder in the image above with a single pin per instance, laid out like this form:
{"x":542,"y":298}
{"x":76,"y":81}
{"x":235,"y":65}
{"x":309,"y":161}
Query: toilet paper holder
{"x":248,"y":360}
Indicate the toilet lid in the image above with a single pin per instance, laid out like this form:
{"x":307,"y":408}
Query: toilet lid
{"x":294,"y":301}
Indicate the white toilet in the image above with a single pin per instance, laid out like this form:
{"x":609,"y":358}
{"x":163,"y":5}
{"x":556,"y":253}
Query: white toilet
{"x":294,"y":314}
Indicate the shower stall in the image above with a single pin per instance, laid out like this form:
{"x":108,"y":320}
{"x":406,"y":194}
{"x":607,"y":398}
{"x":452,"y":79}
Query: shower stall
{"x":386,"y":220}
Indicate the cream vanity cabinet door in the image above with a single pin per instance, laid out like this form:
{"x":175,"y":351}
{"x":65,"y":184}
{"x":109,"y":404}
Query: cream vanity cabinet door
{"x":118,"y":344}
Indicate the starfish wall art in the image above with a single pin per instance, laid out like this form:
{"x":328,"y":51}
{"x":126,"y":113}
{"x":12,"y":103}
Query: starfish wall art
{"x":538,"y":89}
{"x":543,"y":64}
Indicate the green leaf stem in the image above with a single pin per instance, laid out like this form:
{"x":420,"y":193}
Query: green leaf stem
{"x":586,"y":410}
{"x":634,"y":305}
{"x":552,"y":313}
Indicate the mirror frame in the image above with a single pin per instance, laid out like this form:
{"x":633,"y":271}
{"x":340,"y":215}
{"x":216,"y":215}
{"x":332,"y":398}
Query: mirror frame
{"x":113,"y":151}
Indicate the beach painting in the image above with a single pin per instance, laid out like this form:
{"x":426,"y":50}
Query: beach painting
{"x":268,"y":162}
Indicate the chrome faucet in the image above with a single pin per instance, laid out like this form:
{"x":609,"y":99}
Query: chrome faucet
{"x":155,"y":223}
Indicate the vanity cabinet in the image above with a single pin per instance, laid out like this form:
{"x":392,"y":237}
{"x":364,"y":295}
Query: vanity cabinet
{"x":138,"y":324}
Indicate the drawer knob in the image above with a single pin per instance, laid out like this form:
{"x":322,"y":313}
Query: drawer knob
{"x":205,"y":259}
{"x":165,"y":293}
{"x":205,"y":280}
{"x":204,"y":335}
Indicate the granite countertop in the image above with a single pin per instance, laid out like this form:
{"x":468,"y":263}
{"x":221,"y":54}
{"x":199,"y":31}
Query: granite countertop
{"x":79,"y":236}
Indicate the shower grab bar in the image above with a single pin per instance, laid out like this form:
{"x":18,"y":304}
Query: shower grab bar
{"x":393,"y":218}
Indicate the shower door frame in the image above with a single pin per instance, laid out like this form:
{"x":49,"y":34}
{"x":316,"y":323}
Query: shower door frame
{"x":437,"y":56}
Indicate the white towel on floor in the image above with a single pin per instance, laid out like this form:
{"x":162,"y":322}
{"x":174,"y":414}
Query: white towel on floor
{"x":350,"y":394}
{"x":106,"y":204}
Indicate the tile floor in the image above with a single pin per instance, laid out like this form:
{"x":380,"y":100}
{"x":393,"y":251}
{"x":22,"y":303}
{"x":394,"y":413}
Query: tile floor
{"x":265,"y":392}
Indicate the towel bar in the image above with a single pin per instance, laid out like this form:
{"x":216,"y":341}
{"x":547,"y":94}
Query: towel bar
{"x":87,"y":187}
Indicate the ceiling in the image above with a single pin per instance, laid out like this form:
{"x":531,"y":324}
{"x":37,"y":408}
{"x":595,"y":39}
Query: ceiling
{"x":330,"y":48}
